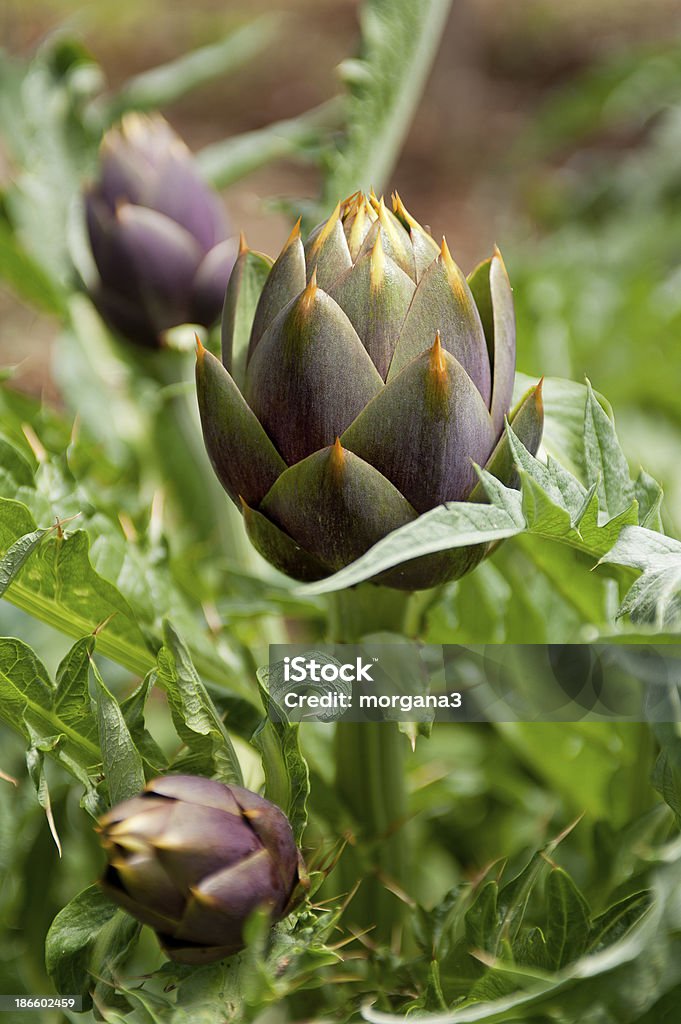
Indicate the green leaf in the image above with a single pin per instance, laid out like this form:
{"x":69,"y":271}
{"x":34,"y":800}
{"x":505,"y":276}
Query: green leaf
{"x":121,"y":760}
{"x":287,"y":778}
{"x":87,"y":942}
{"x":399,"y":41}
{"x":617,"y":920}
{"x":568,"y":922}
{"x":72,"y":700}
{"x":649,"y":495}
{"x":606,"y":465}
{"x":166,"y":83}
{"x":432,"y":926}
{"x":27,"y":697}
{"x":619,"y":983}
{"x":35,"y":762}
{"x":59,"y":586}
{"x":564,"y":405}
{"x":667,"y":773}
{"x":456,"y":524}
{"x":24,"y":682}
{"x":551,"y":504}
{"x":133,"y":713}
{"x":15,"y":470}
{"x":543,"y":515}
{"x":513,"y":898}
{"x":482,"y":919}
{"x":655,"y":597}
{"x":25,"y":276}
{"x":51,"y":150}
{"x":597,"y":535}
{"x":198,"y":724}
{"x":530,"y":949}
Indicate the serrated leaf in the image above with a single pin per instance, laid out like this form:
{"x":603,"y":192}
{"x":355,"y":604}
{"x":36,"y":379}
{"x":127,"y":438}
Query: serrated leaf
{"x":287,"y":778}
{"x":597,"y":536}
{"x":568,"y":920}
{"x":605,"y":461}
{"x":564,"y":403}
{"x":87,"y":942}
{"x":554,"y":502}
{"x":655,"y":597}
{"x":560,"y":487}
{"x":72,"y":701}
{"x":195,"y":717}
{"x":122,"y":762}
{"x":540,"y":508}
{"x":399,"y":41}
{"x":619,"y":983}
{"x":59,"y":586}
{"x":24,"y":682}
{"x":26,"y":703}
{"x":543,"y":515}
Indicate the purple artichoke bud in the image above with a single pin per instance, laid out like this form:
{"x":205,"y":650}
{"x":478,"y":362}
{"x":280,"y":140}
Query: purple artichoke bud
{"x":157,"y":232}
{"x":193,"y":859}
{"x":376,"y":376}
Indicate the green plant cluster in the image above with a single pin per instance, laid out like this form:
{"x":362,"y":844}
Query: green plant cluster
{"x":136,"y":618}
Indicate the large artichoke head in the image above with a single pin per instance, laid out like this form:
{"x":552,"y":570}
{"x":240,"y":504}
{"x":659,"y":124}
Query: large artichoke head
{"x":157,"y":232}
{"x":194,"y":858}
{"x":376,"y":378}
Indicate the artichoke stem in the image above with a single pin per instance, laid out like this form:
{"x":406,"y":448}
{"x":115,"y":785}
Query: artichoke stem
{"x":179,"y":451}
{"x":370,"y":776}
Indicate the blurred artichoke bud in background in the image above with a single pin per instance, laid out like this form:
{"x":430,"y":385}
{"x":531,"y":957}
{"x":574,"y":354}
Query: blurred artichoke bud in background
{"x":194,"y":858}
{"x":376,"y":376}
{"x":158,"y":234}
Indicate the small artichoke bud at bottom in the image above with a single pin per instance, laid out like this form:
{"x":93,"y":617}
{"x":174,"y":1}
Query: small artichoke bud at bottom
{"x":194,"y":858}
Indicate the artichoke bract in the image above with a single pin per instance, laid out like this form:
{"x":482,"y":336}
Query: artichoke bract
{"x":376,"y":378}
{"x":157,"y":232}
{"x":194,"y":858}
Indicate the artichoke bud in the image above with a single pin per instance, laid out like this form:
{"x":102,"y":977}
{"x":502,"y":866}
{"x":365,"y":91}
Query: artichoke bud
{"x":157,"y":232}
{"x":377,"y":377}
{"x":194,"y":858}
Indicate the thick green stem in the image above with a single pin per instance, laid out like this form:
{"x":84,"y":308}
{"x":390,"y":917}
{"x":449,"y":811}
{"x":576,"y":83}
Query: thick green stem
{"x":370,"y":774}
{"x":184,"y":464}
{"x":181,"y":455}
